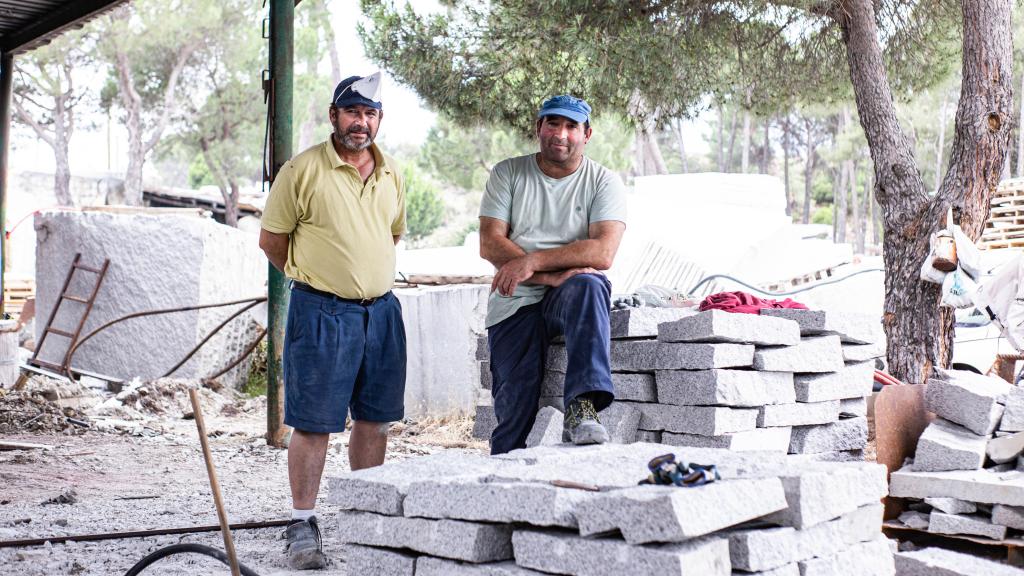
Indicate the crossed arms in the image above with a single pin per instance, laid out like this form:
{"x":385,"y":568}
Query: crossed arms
{"x":549,"y":267}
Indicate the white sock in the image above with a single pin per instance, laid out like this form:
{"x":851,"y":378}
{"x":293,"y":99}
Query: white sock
{"x":302,"y":514}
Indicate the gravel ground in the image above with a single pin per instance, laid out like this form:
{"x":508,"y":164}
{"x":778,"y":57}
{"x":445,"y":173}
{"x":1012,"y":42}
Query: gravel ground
{"x":140,"y":472}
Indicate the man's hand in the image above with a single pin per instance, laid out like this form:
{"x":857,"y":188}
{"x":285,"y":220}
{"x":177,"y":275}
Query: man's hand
{"x":511,"y":274}
{"x":561,"y":277}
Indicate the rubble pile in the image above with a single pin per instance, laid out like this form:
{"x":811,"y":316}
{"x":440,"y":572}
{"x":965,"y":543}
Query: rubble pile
{"x":788,"y":381}
{"x":579,"y":510}
{"x":966,"y":476}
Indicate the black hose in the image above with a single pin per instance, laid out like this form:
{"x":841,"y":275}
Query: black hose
{"x":707,"y":279}
{"x":188,"y":547}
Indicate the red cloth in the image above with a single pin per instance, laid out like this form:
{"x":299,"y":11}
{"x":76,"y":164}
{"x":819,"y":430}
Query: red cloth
{"x":745,"y":303}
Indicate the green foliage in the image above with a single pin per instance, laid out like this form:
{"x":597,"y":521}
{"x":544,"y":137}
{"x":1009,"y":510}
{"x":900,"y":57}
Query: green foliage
{"x":497,"y":61}
{"x":823,"y":215}
{"x":199,"y":173}
{"x":463,"y":155}
{"x":256,"y":385}
{"x":424,"y":208}
{"x":460,"y":238}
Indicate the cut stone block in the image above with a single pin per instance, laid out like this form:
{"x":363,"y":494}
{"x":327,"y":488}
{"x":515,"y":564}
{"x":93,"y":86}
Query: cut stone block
{"x":721,"y":326}
{"x":799,"y":414}
{"x":942,"y":562}
{"x":370,"y":561}
{"x":636,"y":387}
{"x":1009,"y":516}
{"x":496,"y":500}
{"x":815,"y":354}
{"x":915,"y":520}
{"x":852,"y":381}
{"x":1005,"y":449}
{"x":724,"y":387}
{"x":951,"y":505}
{"x":622,"y":421}
{"x":787,"y":570}
{"x":483,"y":351}
{"x":556,"y":402}
{"x":1000,"y":485}
{"x":649,"y":436}
{"x":547,"y":428}
{"x":971,"y":400}
{"x":382,"y":489}
{"x":946,"y":446}
{"x":818,"y":493}
{"x":850,"y":434}
{"x":647,"y":514}
{"x":759,"y":549}
{"x":1013,"y":416}
{"x":430,"y":566}
{"x":873,"y":558}
{"x":651,"y":355}
{"x":853,"y":328}
{"x":485,"y":422}
{"x":486,"y":381}
{"x":703,"y":420}
{"x":853,"y":407}
{"x":643,"y":322}
{"x":453,"y":539}
{"x":757,"y":440}
{"x":840,"y":456}
{"x":562,"y":553}
{"x":942,"y":523}
{"x":864,"y":352}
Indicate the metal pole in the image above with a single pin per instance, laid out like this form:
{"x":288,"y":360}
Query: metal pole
{"x":6,"y":76}
{"x":282,"y":27}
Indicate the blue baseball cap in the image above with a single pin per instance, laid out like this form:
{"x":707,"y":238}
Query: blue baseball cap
{"x":565,"y":105}
{"x":358,"y":90}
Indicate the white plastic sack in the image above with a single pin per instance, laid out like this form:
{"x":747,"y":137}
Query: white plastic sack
{"x":968,"y":255}
{"x":957,"y":290}
{"x":928,"y":272}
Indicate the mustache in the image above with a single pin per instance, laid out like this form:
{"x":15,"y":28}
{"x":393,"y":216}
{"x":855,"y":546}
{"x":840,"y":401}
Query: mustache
{"x":358,"y":130}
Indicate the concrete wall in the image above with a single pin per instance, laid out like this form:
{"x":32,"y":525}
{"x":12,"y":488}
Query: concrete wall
{"x":441,"y":325}
{"x":156,"y":261}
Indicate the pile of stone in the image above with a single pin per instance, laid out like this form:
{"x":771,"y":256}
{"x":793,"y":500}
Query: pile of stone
{"x":966,"y":475}
{"x":789,"y":381}
{"x":579,"y":511}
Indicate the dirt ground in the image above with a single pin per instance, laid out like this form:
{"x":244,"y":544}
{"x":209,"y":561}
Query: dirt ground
{"x":139,"y":466}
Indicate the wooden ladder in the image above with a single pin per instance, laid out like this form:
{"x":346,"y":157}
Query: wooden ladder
{"x":63,"y":368}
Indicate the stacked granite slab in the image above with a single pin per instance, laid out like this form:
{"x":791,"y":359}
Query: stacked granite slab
{"x":579,"y":511}
{"x":778,"y":381}
{"x":953,"y":484}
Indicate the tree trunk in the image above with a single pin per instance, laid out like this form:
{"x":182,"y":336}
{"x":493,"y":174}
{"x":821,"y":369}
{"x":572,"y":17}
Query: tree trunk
{"x":1020,"y":132}
{"x":767,"y":145}
{"x":919,"y":333}
{"x":745,"y":153}
{"x":231,"y":204}
{"x":732,"y":142}
{"x":808,"y":171}
{"x":785,"y":166}
{"x":721,"y":138}
{"x":858,"y":236}
{"x":682,"y":146}
{"x":839,"y":216}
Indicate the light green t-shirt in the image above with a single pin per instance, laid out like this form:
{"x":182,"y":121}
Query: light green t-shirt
{"x":341,"y":228}
{"x":545,"y":212}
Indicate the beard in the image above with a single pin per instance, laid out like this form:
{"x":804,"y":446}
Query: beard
{"x":350,"y":143}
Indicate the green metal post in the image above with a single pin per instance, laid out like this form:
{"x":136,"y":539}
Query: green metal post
{"x":6,"y":82}
{"x":282,"y":28}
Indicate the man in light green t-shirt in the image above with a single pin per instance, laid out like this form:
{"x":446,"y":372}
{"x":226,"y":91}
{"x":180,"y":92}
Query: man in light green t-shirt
{"x":550,"y":222}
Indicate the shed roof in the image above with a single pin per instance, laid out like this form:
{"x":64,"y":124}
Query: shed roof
{"x":28,"y":24}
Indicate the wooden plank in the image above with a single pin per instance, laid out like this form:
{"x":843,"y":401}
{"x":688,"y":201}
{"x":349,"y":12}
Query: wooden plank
{"x":10,"y":445}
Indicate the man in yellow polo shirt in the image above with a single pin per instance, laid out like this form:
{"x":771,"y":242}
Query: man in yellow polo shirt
{"x":332,"y":220}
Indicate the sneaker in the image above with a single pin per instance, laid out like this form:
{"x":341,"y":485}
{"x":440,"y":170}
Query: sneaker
{"x":304,"y":549}
{"x":582,"y":425}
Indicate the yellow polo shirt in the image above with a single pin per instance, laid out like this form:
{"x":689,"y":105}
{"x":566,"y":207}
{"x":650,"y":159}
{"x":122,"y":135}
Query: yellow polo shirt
{"x":341,"y":228}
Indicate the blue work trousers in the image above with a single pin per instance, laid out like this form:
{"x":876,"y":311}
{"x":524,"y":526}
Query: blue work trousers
{"x":578,"y":310}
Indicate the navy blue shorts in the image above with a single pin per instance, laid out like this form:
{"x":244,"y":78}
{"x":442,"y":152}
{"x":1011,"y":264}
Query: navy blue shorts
{"x":341,"y":356}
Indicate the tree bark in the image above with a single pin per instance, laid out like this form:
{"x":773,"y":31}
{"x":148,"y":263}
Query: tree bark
{"x":919,"y":333}
{"x":785,"y":166}
{"x":765,"y":152}
{"x":682,"y":146}
{"x":721,"y":138}
{"x":858,"y":235}
{"x":732,"y":142}
{"x":941,"y":145}
{"x":745,"y":153}
{"x":1020,"y":132}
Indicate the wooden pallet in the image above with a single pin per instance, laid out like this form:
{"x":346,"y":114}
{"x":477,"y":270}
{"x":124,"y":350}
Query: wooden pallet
{"x":785,"y":285}
{"x":1011,"y":550}
{"x":16,"y":292}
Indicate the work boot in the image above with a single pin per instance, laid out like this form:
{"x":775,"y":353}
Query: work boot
{"x":582,"y":425}
{"x":304,"y":549}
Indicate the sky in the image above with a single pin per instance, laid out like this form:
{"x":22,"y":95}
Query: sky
{"x":99,"y":145}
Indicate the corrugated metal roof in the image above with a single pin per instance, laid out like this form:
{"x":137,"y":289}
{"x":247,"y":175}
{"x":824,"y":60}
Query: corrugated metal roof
{"x":27,"y":24}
